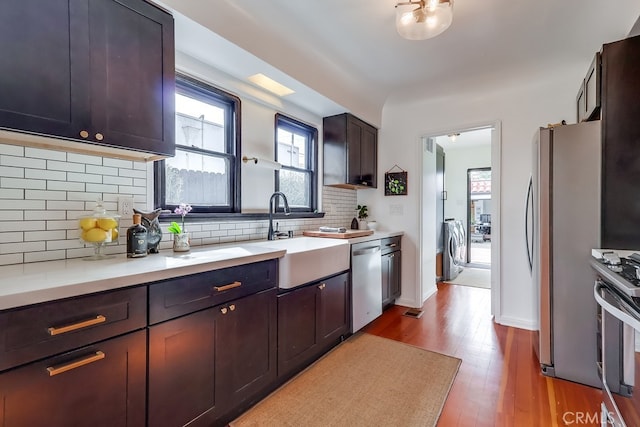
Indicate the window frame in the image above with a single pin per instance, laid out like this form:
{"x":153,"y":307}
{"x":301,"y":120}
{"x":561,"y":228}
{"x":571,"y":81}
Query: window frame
{"x":205,"y":92}
{"x":294,"y":125}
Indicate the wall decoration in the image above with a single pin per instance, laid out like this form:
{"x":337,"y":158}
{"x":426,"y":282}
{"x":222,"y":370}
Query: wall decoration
{"x":395,"y":183}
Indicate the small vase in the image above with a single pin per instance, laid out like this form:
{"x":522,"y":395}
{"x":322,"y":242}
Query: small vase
{"x":362,"y":225}
{"x":181,"y":242}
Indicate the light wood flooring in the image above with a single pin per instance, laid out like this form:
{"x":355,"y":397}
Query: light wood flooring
{"x":499,"y":382}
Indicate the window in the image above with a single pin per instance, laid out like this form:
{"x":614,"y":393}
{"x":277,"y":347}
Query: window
{"x":205,"y":171}
{"x":297,"y":151}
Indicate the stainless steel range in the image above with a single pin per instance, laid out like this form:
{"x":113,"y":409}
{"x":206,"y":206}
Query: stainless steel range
{"x":617,"y":292}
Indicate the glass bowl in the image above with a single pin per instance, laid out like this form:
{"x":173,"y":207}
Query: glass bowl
{"x":98,"y":230}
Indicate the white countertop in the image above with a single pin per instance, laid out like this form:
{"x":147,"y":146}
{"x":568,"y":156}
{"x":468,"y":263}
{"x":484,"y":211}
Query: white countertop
{"x":32,"y":283}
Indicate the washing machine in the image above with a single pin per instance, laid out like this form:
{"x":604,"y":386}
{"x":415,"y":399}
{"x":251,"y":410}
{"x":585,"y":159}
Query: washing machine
{"x":455,"y":249}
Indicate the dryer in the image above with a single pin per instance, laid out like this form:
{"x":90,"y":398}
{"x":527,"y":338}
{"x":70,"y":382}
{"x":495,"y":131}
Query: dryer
{"x":455,"y":248}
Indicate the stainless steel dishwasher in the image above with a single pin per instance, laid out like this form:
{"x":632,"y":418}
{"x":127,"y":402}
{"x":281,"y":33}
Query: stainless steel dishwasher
{"x":366,"y":279}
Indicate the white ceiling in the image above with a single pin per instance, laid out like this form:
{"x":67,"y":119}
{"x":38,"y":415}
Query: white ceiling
{"x":466,"y":139}
{"x":349,"y":52}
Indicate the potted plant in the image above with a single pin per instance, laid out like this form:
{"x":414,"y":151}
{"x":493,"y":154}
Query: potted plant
{"x":362,"y":217}
{"x":180,"y":236}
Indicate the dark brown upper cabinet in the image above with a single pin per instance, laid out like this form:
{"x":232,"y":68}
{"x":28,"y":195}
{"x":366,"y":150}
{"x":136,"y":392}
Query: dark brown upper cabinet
{"x":96,"y":75}
{"x":350,"y":152}
{"x":588,"y":98}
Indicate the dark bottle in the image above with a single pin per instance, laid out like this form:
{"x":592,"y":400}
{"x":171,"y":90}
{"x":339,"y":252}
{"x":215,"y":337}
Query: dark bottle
{"x":136,"y":239}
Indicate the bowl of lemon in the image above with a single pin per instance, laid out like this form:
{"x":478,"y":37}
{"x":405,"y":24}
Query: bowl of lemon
{"x":98,"y":230}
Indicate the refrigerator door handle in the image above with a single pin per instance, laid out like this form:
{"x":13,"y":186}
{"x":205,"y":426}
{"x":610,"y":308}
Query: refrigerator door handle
{"x":529,"y":202}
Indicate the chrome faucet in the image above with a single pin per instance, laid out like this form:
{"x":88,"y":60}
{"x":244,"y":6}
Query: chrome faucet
{"x":271,"y":234}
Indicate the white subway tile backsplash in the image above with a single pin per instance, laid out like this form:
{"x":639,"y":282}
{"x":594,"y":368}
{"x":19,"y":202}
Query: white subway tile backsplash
{"x":64,"y":166}
{"x":120,"y":180}
{"x":40,"y":206}
{"x":45,"y":195}
{"x":11,"y":150}
{"x":40,"y":153}
{"x":84,"y":159}
{"x":21,"y":225}
{"x":84,"y":177}
{"x":12,"y":237}
{"x":103,"y":170}
{"x":43,"y":215}
{"x":11,"y":193}
{"x":101,"y":188}
{"x":117,"y":163}
{"x":45,"y":174}
{"x":22,"y":162}
{"x":44,"y":256}
{"x":16,"y":204}
{"x":14,"y":248}
{"x":68,"y":205}
{"x":12,"y":172}
{"x":23,"y":183}
{"x":34,"y":236}
{"x":12,"y":215}
{"x":11,"y":259}
{"x":65,"y":185}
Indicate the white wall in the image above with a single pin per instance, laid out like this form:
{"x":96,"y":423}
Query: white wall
{"x":457,"y":162}
{"x":521,"y":110}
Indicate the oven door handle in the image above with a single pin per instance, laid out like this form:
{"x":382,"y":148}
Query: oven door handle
{"x":623,"y":311}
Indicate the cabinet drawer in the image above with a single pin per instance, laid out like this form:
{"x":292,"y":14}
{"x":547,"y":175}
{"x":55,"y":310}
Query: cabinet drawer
{"x":186,"y":294}
{"x":390,"y":244}
{"x":101,"y":385}
{"x":43,"y":330}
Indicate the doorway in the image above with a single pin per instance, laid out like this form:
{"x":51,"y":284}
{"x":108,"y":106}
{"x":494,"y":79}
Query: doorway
{"x":479,"y":217}
{"x":456,"y":197}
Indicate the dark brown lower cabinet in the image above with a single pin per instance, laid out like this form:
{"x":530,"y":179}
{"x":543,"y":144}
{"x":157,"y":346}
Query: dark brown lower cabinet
{"x":98,"y":385}
{"x":207,"y":367}
{"x":311,"y":319}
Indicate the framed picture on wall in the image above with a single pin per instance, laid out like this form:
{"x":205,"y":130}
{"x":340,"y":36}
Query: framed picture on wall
{"x":395,"y":183}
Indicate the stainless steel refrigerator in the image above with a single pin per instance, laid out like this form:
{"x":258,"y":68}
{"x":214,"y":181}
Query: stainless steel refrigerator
{"x":562,"y":226}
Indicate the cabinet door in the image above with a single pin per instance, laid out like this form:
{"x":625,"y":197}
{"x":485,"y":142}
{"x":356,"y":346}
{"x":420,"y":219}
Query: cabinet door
{"x":182,"y":376}
{"x":386,"y":279}
{"x":354,"y":146}
{"x":334,"y":309}
{"x":395,"y":278}
{"x":42,"y":44}
{"x":592,"y":90}
{"x":297,"y":329}
{"x":246,"y":347}
{"x":369,"y":156}
{"x":132,"y":75}
{"x":580,"y":104}
{"x":98,"y":385}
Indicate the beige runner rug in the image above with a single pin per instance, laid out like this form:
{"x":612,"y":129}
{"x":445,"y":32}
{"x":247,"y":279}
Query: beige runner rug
{"x":365,"y":381}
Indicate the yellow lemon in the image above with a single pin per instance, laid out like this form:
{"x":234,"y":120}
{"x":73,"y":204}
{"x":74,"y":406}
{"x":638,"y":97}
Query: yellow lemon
{"x":107,"y":223}
{"x":114,"y":234}
{"x":94,"y":235}
{"x":87,"y":223}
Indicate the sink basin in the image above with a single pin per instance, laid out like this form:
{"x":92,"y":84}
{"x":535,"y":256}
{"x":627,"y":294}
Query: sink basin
{"x":309,"y":258}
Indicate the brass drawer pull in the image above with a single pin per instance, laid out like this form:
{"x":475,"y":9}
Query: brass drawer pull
{"x":55,"y":370}
{"x":322,"y":286}
{"x":232,"y":307}
{"x":99,"y":136}
{"x":84,"y":134}
{"x":227,"y":287}
{"x":392,"y":245}
{"x":84,"y":324}
{"x":224,"y":310}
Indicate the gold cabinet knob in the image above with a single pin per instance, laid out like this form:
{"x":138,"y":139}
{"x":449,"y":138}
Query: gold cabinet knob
{"x":224,"y":310}
{"x":232,"y":307}
{"x":322,"y":286}
{"x":99,"y":136}
{"x":84,"y":134}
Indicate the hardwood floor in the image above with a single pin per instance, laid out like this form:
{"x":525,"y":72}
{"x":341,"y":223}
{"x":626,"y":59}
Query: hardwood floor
{"x":499,"y":382}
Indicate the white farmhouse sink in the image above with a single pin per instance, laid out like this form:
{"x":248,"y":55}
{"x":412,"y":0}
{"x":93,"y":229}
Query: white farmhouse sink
{"x":309,"y":258}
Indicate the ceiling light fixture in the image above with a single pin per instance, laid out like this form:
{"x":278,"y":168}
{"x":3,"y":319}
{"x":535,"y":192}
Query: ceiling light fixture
{"x":423,"y":19}
{"x":453,"y":136}
{"x":270,"y":84}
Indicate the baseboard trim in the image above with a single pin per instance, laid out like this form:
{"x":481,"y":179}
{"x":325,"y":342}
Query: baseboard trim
{"x":515,"y":322}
